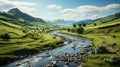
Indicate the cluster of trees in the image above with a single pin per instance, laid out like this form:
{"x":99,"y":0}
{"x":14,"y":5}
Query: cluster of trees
{"x":34,"y":33}
{"x":76,"y":29}
{"x":80,"y":25}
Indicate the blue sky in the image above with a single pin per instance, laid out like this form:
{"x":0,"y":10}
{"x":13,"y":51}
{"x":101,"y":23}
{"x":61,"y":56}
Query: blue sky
{"x":64,"y":9}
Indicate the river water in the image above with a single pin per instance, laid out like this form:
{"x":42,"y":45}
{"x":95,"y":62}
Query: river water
{"x":43,"y":58}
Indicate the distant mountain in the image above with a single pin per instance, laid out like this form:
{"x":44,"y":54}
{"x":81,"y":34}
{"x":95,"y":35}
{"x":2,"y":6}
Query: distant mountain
{"x":62,"y":22}
{"x":18,"y":17}
{"x":18,"y":14}
{"x":83,"y":21}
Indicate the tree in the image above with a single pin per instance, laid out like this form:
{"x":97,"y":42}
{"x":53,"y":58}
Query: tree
{"x":80,"y":25}
{"x":74,"y":25}
{"x":84,"y":24}
{"x":80,"y":30}
{"x":43,"y":29}
{"x":102,"y":50}
{"x":68,"y":30}
{"x":24,"y":31}
{"x":95,"y":24}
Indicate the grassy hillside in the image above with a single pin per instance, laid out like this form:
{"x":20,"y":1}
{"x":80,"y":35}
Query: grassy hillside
{"x":105,"y":20}
{"x":13,"y":29}
{"x":19,"y":14}
{"x":106,"y":35}
{"x":99,"y":21}
{"x":106,"y":43}
{"x":18,"y":17}
{"x":20,"y":38}
{"x":14,"y":39}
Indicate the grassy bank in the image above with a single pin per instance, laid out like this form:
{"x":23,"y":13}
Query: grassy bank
{"x":17,"y":50}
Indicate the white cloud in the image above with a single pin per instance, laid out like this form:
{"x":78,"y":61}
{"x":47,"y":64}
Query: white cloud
{"x":24,"y":6}
{"x":51,"y":13}
{"x":5,"y":4}
{"x":54,"y":6}
{"x":111,"y":7}
{"x":92,"y":9}
{"x":55,"y":11}
{"x":87,"y":11}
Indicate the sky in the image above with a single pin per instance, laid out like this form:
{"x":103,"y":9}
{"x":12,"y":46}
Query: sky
{"x":64,"y":9}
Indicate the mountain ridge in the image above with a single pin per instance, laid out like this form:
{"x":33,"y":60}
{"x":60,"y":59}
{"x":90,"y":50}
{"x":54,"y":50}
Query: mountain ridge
{"x":18,"y":17}
{"x":19,"y":14}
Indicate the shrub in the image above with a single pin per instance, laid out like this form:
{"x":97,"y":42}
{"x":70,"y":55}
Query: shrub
{"x":84,"y":24}
{"x":5,"y":36}
{"x":24,"y":31}
{"x":72,"y":30}
{"x":113,"y":60}
{"x":80,"y":25}
{"x":74,"y":25}
{"x":102,"y":50}
{"x":80,"y":30}
{"x":68,"y":30}
{"x":95,"y":24}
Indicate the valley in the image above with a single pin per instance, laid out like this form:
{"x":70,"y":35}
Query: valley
{"x":24,"y":38}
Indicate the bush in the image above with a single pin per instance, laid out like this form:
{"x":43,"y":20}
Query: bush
{"x":72,"y":30}
{"x":5,"y":36}
{"x":80,"y":30}
{"x":84,"y":24}
{"x":113,"y":60}
{"x":68,"y":30}
{"x":80,"y":25}
{"x":95,"y":24}
{"x":102,"y":50}
{"x":74,"y":25}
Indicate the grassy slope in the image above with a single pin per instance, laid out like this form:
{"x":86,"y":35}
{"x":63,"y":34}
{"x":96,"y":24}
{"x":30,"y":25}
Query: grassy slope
{"x":34,"y":41}
{"x":102,"y":34}
{"x":12,"y":29}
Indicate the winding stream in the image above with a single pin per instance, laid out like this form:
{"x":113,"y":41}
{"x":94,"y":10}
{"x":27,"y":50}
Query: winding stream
{"x":42,"y":59}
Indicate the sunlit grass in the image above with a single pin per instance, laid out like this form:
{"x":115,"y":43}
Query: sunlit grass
{"x":104,"y":36}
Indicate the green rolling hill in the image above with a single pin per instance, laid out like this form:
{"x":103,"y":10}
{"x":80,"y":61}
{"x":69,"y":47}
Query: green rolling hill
{"x":21,"y":32}
{"x":18,"y":14}
{"x":18,"y":17}
{"x":105,"y":33}
{"x":100,"y":21}
{"x":107,"y":19}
